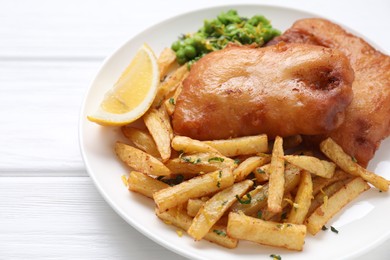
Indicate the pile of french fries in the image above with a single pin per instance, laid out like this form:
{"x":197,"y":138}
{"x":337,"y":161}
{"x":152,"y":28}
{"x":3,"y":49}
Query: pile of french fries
{"x":246,"y":188}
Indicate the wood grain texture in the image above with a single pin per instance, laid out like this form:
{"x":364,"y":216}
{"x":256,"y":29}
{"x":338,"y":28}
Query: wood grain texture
{"x":40,"y":112}
{"x":66,"y":218}
{"x":93,"y":29}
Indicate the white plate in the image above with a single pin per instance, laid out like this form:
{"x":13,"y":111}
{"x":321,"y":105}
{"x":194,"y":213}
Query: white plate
{"x":362,"y":226}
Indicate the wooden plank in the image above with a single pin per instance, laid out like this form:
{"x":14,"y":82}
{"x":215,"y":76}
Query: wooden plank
{"x":39,"y":111}
{"x":94,"y":29}
{"x":66,"y":218}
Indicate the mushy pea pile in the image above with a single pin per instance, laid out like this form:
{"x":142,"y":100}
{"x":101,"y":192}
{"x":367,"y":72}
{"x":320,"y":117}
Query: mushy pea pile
{"x":216,"y":34}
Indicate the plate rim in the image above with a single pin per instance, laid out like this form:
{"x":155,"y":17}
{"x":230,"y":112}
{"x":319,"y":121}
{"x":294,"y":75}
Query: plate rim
{"x":107,"y":59}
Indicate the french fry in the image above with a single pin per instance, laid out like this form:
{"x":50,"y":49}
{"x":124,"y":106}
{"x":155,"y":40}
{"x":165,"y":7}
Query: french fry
{"x":155,"y":122}
{"x":144,"y":184}
{"x":241,"y":145}
{"x":335,"y":203}
{"x":181,"y":219}
{"x":334,"y":152}
{"x":320,"y":183}
{"x":188,"y":145}
{"x":166,"y":120}
{"x":165,"y":61}
{"x":167,"y":87}
{"x":141,"y":139}
{"x":193,"y":188}
{"x":247,"y":166}
{"x":302,"y":199}
{"x":264,"y":214}
{"x":287,"y":235}
{"x":198,"y":163}
{"x":262,"y":173}
{"x":170,"y":102}
{"x":140,"y":161}
{"x":260,"y":196}
{"x":276,"y":177}
{"x":324,"y":194}
{"x":312,"y":164}
{"x":215,"y":207}
{"x":194,"y":205}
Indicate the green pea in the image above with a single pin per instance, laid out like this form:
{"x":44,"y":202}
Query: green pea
{"x":176,"y":45}
{"x":190,"y":51}
{"x":207,"y":27}
{"x":180,"y":53}
{"x":189,"y":41}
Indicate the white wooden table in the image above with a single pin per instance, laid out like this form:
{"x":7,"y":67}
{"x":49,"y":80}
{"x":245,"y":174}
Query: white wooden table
{"x":49,"y":53}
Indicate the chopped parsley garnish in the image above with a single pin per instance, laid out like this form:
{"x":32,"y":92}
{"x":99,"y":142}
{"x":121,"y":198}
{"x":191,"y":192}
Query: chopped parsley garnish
{"x":247,"y":201}
{"x":334,"y":230}
{"x":216,"y":159}
{"x":276,"y":257}
{"x":219,"y":176}
{"x":219,"y":232}
{"x":237,"y":161}
{"x":260,"y":214}
{"x":353,"y":159}
{"x":260,"y":171}
{"x":191,"y":160}
{"x":224,"y":202}
{"x":324,"y":228}
{"x":172,"y":101}
{"x":172,"y":181}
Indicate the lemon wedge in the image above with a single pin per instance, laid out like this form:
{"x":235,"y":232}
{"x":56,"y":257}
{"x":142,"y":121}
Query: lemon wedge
{"x":133,"y":93}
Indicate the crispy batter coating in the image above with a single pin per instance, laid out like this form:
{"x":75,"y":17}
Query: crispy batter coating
{"x":367,"y":120}
{"x":284,"y":90}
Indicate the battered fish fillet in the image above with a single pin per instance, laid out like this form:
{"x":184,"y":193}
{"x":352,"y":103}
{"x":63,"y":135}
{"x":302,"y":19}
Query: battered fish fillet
{"x":283,"y":90}
{"x":367,"y":120}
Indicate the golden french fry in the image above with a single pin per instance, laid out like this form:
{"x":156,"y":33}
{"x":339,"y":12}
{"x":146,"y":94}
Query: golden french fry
{"x":180,"y":219}
{"x":193,"y":188}
{"x":198,"y":163}
{"x":141,"y":139}
{"x":215,"y":207}
{"x":287,"y":235}
{"x":144,"y":184}
{"x":276,"y":177}
{"x":334,"y":204}
{"x":302,"y":199}
{"x":264,"y":214}
{"x":166,"y":120}
{"x":312,"y":164}
{"x":140,"y":161}
{"x":247,"y":166}
{"x":194,"y":205}
{"x":155,"y":122}
{"x":334,"y":152}
{"x":262,"y":173}
{"x":241,"y":145}
{"x":170,"y":102}
{"x":166,"y":59}
{"x":167,"y":87}
{"x":187,"y":145}
{"x":320,"y":183}
{"x":260,"y":197}
{"x":324,"y":194}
